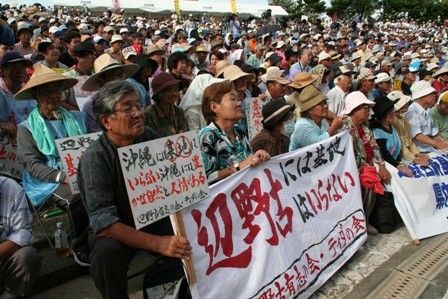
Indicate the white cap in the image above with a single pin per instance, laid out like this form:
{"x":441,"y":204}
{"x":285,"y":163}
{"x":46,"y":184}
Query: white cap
{"x":355,"y":99}
{"x":157,"y":32}
{"x":123,"y":30}
{"x":382,"y":77}
{"x":280,"y":44}
{"x":323,"y":56}
{"x":11,"y":20}
{"x":129,"y":53}
{"x":421,"y":88}
{"x":116,"y":38}
{"x":401,"y":97}
{"x":41,"y":19}
{"x":53,"y":29}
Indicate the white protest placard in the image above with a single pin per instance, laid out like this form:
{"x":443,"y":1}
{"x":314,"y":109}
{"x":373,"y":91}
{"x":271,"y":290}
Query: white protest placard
{"x":422,"y":200}
{"x":163,"y":176}
{"x":70,"y":151}
{"x":10,"y":163}
{"x":254,"y":116}
{"x":281,"y":229}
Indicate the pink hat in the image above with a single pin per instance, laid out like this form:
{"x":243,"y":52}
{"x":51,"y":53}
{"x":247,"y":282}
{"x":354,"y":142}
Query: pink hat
{"x":355,"y":99}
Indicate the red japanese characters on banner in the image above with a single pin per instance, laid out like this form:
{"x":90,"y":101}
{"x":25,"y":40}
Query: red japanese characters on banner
{"x":281,"y":229}
{"x":254,"y":116}
{"x":70,"y":151}
{"x":163,"y":176}
{"x":10,"y":164}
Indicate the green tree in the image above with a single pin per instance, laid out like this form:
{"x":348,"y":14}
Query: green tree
{"x":297,"y":8}
{"x":292,"y":7}
{"x":348,"y":8}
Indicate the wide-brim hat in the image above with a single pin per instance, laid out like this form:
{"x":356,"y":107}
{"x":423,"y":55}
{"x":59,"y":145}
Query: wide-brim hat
{"x":274,"y":111}
{"x":421,"y":88}
{"x":400,"y":98}
{"x":103,"y":64}
{"x":309,"y":97}
{"x":302,"y":80}
{"x":220,"y":66}
{"x":440,"y":72}
{"x":154,"y":49}
{"x":232,"y":73}
{"x":44,"y":75}
{"x":382,"y":105}
{"x":202,"y":48}
{"x":355,"y":99}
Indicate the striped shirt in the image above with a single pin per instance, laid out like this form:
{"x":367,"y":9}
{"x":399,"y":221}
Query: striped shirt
{"x":15,"y":216}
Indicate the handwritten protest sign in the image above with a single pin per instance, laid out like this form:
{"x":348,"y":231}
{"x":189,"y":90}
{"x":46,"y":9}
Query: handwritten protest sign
{"x":70,"y":151}
{"x":10,"y":164}
{"x":279,"y":230}
{"x":422,"y":200}
{"x":254,"y":116}
{"x":163,"y":176}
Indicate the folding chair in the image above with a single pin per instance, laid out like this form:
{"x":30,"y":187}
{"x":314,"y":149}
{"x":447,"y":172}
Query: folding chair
{"x":50,"y":208}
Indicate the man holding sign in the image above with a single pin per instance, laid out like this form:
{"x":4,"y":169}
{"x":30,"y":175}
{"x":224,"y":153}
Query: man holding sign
{"x":115,"y":240}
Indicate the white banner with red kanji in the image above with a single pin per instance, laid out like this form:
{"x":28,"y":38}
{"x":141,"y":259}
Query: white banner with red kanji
{"x":281,"y":229}
{"x":10,"y":164}
{"x":422,"y":200}
{"x":70,"y":151}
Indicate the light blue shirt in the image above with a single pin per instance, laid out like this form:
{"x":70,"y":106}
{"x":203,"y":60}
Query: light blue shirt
{"x":298,"y":68}
{"x":12,"y":110}
{"x":15,"y":215}
{"x":307,"y":132}
{"x":421,"y":123}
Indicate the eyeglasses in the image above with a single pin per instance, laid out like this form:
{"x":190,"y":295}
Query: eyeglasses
{"x":129,"y":109}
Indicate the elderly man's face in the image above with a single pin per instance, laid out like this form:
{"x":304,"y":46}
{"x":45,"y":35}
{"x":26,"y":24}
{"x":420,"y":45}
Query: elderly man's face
{"x":49,"y":97}
{"x":126,"y":123}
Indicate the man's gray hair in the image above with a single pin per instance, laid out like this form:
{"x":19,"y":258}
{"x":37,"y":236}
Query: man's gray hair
{"x":103,"y":102}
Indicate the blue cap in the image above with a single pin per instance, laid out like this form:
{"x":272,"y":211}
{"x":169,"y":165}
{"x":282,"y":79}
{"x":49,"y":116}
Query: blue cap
{"x":6,"y":36}
{"x":10,"y":57}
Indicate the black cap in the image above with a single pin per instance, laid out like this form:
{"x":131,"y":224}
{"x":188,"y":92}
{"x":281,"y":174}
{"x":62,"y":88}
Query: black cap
{"x":84,"y":48}
{"x":143,"y":60}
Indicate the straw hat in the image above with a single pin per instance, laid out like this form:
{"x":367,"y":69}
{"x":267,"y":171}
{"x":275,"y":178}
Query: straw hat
{"x":103,"y":64}
{"x":202,"y":48}
{"x":44,"y":75}
{"x":220,"y":66}
{"x":309,"y":97}
{"x":232,"y":73}
{"x":440,"y":72}
{"x":443,"y":97}
{"x":302,"y":80}
{"x":154,"y":49}
{"x":275,"y":74}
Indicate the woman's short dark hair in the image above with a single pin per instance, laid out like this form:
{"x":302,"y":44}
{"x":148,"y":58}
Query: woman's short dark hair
{"x":214,"y":93}
{"x":219,"y":55}
{"x":174,"y":59}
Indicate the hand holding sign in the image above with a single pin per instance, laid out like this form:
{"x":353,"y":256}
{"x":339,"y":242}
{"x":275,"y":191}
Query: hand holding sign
{"x":174,"y":246}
